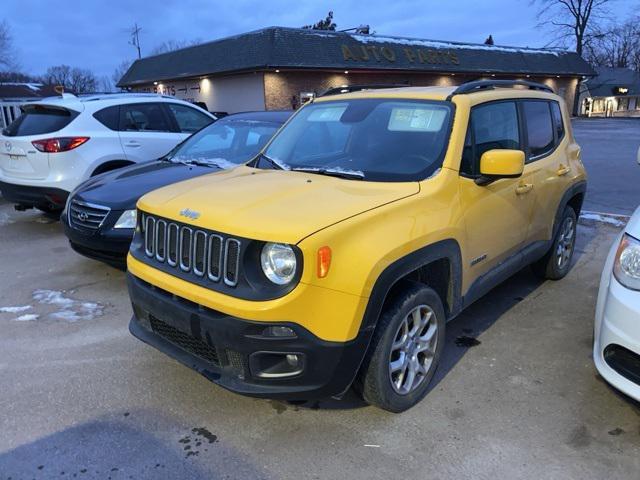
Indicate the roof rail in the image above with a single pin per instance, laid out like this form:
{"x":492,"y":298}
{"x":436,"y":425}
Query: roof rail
{"x":479,"y":85}
{"x":357,"y":88}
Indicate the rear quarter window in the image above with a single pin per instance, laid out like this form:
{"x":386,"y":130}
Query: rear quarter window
{"x":39,"y":120}
{"x":109,"y":117}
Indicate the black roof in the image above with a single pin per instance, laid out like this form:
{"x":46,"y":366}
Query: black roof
{"x":609,"y":80}
{"x":280,"y":47}
{"x":273,"y":116}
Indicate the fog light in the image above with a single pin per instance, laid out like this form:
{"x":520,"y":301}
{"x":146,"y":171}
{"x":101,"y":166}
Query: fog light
{"x":278,"y":331}
{"x":276,"y":364}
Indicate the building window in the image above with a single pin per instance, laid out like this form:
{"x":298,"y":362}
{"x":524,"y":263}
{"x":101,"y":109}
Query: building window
{"x":623,"y":103}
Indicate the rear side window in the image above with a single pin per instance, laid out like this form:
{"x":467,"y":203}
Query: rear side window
{"x":189,"y":120}
{"x":38,"y":120}
{"x":109,"y":117}
{"x":557,"y":120}
{"x":494,"y":126}
{"x":143,"y":117}
{"x":539,"y":127}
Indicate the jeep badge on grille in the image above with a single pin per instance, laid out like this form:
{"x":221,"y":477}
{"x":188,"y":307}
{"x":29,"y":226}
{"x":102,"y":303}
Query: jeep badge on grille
{"x":192,"y":214}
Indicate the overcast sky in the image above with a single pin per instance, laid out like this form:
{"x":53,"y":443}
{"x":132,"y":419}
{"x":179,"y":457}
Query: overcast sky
{"x":94,"y":34}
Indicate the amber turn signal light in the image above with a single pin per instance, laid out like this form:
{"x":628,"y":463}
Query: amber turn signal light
{"x":324,"y":261}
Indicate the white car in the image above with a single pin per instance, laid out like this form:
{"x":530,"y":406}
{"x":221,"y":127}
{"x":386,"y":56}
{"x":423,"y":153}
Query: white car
{"x":616,"y":347}
{"x":59,"y":142}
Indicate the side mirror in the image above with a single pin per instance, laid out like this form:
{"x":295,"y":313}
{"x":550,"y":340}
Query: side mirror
{"x":496,"y":164}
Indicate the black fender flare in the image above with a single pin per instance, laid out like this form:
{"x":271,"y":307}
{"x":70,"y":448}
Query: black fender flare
{"x":575,"y":189}
{"x":448,"y":249}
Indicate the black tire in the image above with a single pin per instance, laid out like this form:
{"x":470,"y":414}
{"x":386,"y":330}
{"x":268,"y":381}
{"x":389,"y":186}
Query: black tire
{"x":374,"y":382}
{"x":550,"y":267}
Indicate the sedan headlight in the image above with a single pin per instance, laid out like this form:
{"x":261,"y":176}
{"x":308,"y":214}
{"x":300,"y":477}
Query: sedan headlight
{"x":127,"y":220}
{"x":278,"y":262}
{"x":627,"y":263}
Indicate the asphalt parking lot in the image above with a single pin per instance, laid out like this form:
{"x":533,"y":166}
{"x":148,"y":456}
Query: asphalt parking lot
{"x":81,"y":398}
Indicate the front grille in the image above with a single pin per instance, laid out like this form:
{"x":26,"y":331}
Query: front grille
{"x":204,"y":254}
{"x":185,"y":341}
{"x":87,"y":215}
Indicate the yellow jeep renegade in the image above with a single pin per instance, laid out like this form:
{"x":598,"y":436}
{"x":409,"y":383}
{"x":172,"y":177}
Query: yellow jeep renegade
{"x":336,"y":257}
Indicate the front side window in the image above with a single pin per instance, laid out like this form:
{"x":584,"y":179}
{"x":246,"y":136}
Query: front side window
{"x":539,"y":127}
{"x":143,"y":117}
{"x":493,"y":126}
{"x":374,"y":139}
{"x":189,"y":120}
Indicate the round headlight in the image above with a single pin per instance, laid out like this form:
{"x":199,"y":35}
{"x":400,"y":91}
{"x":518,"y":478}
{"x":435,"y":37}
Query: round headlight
{"x":278,"y":262}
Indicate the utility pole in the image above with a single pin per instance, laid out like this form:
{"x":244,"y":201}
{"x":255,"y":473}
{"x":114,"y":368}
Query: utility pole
{"x":135,"y":38}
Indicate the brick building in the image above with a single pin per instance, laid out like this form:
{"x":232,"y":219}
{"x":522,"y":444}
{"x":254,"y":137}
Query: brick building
{"x":280,"y":68}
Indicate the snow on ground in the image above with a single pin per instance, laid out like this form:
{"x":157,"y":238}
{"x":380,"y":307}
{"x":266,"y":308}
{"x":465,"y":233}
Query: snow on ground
{"x":27,"y":318}
{"x":615,"y":220}
{"x":68,"y":309}
{"x":15,"y":309}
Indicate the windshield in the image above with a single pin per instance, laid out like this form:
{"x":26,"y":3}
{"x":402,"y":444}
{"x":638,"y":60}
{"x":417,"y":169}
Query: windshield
{"x":226,"y":143}
{"x":371,"y":139}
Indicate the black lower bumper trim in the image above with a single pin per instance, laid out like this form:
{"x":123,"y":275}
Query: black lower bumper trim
{"x":219,"y":346}
{"x":45,"y":198}
{"x":623,"y":361}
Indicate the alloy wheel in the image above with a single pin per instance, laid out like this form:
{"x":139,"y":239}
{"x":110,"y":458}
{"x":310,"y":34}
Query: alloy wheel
{"x":413,"y":349}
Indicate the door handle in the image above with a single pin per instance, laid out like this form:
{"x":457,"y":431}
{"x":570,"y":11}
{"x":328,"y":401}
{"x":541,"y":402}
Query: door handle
{"x":563,"y":170}
{"x":523,"y":188}
{"x":132,"y":144}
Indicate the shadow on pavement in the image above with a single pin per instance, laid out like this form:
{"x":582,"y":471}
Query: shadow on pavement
{"x":111,"y":449}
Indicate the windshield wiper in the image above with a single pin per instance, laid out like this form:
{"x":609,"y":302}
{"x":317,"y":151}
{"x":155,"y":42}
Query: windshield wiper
{"x":331,"y":172}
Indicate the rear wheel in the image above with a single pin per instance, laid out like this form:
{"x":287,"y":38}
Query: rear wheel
{"x":557,"y":262}
{"x":405,"y":350}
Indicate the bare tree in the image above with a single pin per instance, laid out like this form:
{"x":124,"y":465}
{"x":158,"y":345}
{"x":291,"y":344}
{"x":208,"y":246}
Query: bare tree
{"x":77,"y":80}
{"x":572,"y":22}
{"x":7,"y":53}
{"x":58,"y":75}
{"x":618,"y":47}
{"x":120,"y":70}
{"x":172,"y":45}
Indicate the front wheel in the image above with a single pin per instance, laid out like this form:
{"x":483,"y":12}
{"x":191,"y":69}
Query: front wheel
{"x":557,"y":262}
{"x":405,"y":350}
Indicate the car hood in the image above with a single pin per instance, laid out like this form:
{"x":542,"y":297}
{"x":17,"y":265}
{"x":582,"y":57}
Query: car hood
{"x":120,"y":189}
{"x":270,"y":205}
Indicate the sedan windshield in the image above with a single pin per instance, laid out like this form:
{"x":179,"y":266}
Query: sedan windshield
{"x":384,"y":140}
{"x":225,"y":144}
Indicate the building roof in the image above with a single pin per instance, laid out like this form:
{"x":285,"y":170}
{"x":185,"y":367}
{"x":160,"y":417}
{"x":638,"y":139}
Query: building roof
{"x":25,"y":90}
{"x":280,"y":47}
{"x":609,"y":80}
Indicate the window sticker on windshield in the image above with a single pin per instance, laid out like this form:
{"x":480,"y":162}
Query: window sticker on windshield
{"x":416,"y":119}
{"x":327,"y":114}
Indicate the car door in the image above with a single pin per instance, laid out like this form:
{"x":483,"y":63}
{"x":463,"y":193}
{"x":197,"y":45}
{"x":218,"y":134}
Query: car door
{"x":147,"y":131}
{"x":547,"y":158}
{"x":496,"y":215}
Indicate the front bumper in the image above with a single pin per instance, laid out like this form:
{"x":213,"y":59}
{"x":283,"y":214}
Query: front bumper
{"x":48,"y":198}
{"x":616,"y":351}
{"x":220,"y":346}
{"x":105,"y":244}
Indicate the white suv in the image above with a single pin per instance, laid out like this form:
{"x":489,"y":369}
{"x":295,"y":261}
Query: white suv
{"x":59,"y":142}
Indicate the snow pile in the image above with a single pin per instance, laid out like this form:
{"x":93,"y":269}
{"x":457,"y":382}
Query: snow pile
{"x":27,"y":318}
{"x":615,"y":220}
{"x":5,"y":219}
{"x":15,"y":309}
{"x":68,"y":309}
